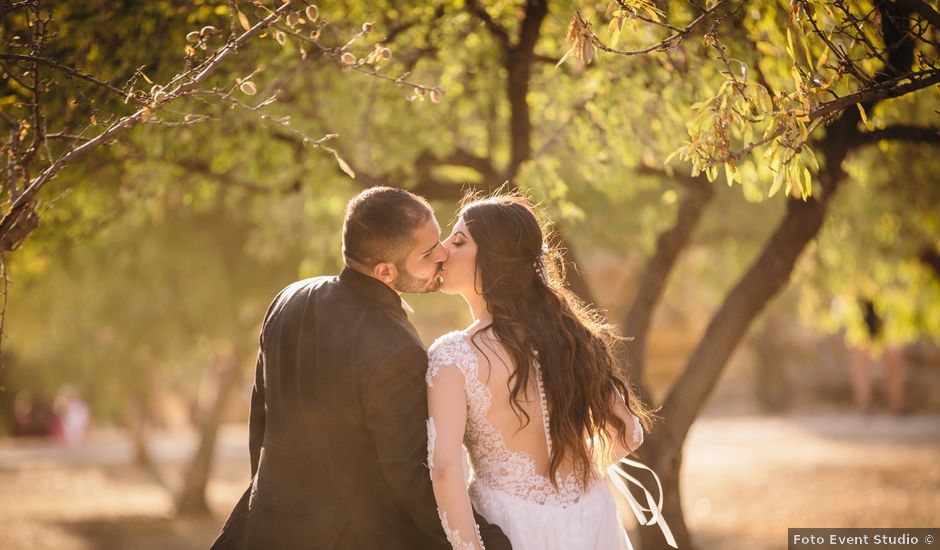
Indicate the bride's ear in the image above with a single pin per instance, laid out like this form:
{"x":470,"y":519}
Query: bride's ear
{"x":385,"y":272}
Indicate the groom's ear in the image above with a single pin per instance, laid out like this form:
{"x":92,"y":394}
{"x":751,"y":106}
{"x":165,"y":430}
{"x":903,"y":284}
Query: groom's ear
{"x":385,"y":272}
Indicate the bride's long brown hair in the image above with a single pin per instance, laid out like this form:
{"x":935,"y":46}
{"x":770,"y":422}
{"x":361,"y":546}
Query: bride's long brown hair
{"x":521,"y":276}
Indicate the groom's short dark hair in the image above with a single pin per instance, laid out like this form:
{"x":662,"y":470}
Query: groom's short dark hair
{"x":379,"y":225}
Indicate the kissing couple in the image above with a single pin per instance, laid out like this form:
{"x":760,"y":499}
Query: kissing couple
{"x":357,"y":433}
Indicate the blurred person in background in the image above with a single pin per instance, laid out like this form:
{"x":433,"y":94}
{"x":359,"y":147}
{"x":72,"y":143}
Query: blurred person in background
{"x":864,"y":357}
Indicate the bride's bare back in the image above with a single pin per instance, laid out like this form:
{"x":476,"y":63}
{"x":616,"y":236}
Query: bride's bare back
{"x":494,"y":369}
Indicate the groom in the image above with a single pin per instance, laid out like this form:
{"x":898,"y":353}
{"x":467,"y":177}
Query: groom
{"x":337,"y":432}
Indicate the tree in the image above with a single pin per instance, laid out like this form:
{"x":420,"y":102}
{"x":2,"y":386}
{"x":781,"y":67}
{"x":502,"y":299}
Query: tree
{"x":788,"y":119}
{"x":62,"y":121}
{"x":590,"y":138}
{"x":44,"y":138}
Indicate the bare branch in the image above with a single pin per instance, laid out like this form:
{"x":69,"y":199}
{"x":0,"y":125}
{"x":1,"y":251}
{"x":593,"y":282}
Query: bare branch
{"x":900,"y":132}
{"x":499,"y":33}
{"x":184,"y":83}
{"x":924,"y":10}
{"x":74,"y":72}
{"x":883,"y":90}
{"x":636,"y":14}
{"x":667,"y":43}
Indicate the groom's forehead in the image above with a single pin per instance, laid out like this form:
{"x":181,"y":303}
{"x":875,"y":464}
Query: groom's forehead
{"x":427,"y":235}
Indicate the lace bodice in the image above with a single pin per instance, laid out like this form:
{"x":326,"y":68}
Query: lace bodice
{"x":494,"y":464}
{"x":507,"y":487}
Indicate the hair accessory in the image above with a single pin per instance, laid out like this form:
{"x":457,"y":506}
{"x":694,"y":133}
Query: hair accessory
{"x":540,"y":264}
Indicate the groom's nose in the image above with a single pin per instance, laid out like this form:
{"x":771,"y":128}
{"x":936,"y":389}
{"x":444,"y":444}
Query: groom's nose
{"x":441,"y":253}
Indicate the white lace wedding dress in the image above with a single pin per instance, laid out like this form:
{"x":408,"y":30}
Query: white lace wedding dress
{"x":506,"y":487}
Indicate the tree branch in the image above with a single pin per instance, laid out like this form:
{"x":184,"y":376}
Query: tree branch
{"x":671,"y":41}
{"x":519,"y":59}
{"x":73,"y":72}
{"x":184,"y":83}
{"x":900,"y":132}
{"x":499,"y":33}
{"x":878,"y":92}
{"x":923,"y":9}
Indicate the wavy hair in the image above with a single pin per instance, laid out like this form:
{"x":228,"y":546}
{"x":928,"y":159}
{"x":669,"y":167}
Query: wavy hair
{"x":535,"y":317}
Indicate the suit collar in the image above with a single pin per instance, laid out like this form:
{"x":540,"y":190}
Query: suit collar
{"x":373,"y":290}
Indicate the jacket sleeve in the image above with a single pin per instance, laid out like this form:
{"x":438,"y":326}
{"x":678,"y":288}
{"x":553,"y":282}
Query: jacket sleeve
{"x":395,"y":409}
{"x":256,"y":415}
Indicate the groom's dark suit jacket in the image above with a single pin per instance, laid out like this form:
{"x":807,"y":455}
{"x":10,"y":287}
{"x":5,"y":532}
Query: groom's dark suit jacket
{"x":337,"y":430}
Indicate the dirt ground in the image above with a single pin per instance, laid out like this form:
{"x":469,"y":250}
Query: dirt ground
{"x":746,"y":480}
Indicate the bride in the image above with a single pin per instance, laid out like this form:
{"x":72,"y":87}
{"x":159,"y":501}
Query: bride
{"x":532,"y":389}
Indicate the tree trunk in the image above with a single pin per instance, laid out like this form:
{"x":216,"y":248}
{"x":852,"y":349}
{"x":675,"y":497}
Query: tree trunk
{"x":136,"y":423}
{"x":763,"y":280}
{"x":636,"y":322}
{"x":770,"y":381}
{"x":664,"y":456}
{"x":192,"y":497}
{"x":767,"y":276}
{"x":519,"y":59}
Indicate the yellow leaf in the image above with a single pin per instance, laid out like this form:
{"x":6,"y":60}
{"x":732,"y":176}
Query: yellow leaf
{"x":797,"y":78}
{"x":567,"y":54}
{"x":808,"y":157}
{"x":778,"y":181}
{"x":711,"y":173}
{"x":344,"y":166}
{"x":243,"y":20}
{"x":807,"y":183}
{"x":823,"y":58}
{"x":861,"y":111}
{"x":652,"y":13}
{"x":790,"y":45}
{"x":671,"y":156}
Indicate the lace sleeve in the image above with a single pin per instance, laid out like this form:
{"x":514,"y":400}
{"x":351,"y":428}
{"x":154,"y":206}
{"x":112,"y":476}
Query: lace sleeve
{"x":447,"y":410}
{"x":633,"y":436}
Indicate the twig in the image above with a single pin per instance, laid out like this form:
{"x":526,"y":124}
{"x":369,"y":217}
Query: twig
{"x":3,"y":308}
{"x":194,"y":78}
{"x":671,"y":41}
{"x":74,"y":72}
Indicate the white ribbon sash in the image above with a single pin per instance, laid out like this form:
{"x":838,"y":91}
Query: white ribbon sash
{"x":621,"y":478}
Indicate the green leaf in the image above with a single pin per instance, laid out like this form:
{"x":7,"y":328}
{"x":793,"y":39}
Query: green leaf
{"x":809,"y":157}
